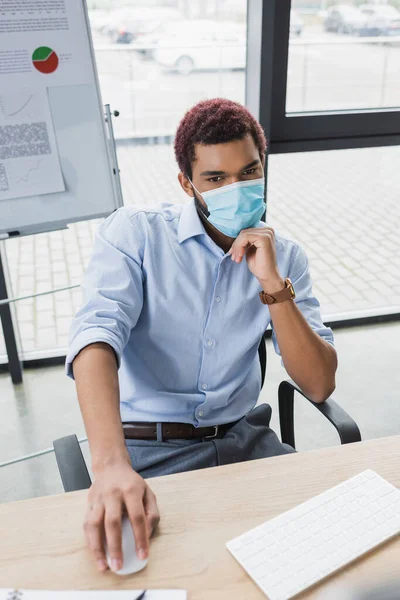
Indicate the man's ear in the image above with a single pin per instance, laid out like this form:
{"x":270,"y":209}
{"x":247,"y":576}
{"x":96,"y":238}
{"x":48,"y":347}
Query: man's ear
{"x":185,"y":184}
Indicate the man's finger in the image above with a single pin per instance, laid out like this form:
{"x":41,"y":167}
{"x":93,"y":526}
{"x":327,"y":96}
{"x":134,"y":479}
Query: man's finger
{"x":247,"y":239}
{"x":151,"y":510}
{"x":112,"y":523}
{"x":94,"y":534}
{"x":136,"y":514}
{"x":266,"y":229}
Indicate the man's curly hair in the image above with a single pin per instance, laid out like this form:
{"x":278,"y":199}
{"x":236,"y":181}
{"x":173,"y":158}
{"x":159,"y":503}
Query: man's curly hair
{"x":215,"y":121}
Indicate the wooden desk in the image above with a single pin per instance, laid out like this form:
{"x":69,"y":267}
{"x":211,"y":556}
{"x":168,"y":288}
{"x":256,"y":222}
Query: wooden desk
{"x":42,"y":544}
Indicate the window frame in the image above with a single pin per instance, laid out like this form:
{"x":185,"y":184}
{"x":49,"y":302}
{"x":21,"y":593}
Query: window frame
{"x":268,"y":24}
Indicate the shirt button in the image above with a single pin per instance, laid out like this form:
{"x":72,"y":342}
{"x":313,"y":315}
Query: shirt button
{"x":204,"y":386}
{"x":210,"y":343}
{"x":201,"y":413}
{"x":218,"y":299}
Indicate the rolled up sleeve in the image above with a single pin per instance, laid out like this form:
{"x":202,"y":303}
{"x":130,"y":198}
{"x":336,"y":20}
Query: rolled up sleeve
{"x":299,"y":273}
{"x":112,"y":288}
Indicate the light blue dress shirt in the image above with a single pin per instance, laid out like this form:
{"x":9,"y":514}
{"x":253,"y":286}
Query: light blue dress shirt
{"x":184,"y":320}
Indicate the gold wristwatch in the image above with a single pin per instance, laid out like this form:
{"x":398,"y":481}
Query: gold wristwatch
{"x":287,"y":293}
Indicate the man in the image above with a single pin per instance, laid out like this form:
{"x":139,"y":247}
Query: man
{"x":178,"y":297}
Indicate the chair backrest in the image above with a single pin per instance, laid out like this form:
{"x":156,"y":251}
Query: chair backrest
{"x":262,"y":354}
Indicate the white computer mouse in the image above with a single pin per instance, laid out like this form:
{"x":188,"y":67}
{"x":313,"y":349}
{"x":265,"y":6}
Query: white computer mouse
{"x":131,"y":563}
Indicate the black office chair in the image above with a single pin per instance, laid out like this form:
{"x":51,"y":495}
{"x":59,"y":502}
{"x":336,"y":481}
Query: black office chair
{"x":75,"y":476}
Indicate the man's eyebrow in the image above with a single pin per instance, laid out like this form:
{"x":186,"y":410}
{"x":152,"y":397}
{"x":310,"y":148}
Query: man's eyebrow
{"x":216,"y":173}
{"x":252,"y":164}
{"x":212,"y":173}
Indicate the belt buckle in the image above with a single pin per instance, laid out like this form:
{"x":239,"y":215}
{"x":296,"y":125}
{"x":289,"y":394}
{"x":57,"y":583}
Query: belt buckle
{"x":214,"y":435}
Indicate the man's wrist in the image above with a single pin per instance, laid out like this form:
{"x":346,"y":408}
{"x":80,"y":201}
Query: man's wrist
{"x":106,"y":460}
{"x":272,"y":286}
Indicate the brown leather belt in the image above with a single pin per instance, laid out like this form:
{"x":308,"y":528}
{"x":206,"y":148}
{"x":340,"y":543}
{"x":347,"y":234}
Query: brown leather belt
{"x":172,"y":431}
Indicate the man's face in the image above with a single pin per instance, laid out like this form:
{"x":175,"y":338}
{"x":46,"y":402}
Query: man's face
{"x":223,"y":164}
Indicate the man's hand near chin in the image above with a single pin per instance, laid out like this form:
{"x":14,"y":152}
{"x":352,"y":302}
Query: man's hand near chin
{"x":309,"y":360}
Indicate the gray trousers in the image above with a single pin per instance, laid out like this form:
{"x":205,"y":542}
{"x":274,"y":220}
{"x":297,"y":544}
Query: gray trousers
{"x":248,"y":439}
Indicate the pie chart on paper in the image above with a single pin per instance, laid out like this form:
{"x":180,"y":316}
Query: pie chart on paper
{"x":45,"y":60}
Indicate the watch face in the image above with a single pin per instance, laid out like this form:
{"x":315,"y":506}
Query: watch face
{"x":291,"y":288}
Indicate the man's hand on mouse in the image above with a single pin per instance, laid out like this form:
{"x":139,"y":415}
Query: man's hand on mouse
{"x":118,"y":489}
{"x":258,"y":245}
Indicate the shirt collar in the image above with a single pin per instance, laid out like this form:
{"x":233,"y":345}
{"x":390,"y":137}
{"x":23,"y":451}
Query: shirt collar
{"x":189,"y":223}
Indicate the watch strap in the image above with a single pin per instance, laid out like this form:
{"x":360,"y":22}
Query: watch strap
{"x":287,"y":293}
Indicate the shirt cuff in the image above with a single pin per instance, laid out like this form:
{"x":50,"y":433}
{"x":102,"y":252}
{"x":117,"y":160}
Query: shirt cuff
{"x":86,"y":337}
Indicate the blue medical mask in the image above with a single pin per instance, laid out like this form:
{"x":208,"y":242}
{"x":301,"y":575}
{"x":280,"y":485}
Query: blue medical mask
{"x":236,"y":206}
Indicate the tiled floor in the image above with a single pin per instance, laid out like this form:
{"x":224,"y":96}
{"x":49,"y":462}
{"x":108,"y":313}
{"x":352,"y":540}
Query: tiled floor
{"x":44,"y":407}
{"x":342,"y":206}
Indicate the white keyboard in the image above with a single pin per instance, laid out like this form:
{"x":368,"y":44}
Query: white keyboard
{"x":295,"y":550}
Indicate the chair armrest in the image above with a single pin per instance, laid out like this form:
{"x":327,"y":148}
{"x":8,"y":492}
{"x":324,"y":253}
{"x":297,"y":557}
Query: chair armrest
{"x":71,"y":464}
{"x":343,"y":423}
